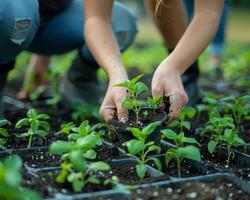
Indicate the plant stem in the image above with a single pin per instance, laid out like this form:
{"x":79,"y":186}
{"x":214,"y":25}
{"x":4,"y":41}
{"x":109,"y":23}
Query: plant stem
{"x":179,"y":168}
{"x":30,"y":141}
{"x":228,"y":154}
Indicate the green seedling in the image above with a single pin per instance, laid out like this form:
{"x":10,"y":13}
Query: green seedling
{"x":141,"y":147}
{"x":211,"y":104}
{"x":4,"y":132}
{"x":83,"y":112}
{"x":186,"y":112}
{"x":80,"y":177}
{"x":230,"y":139}
{"x":154,"y":103}
{"x":131,"y":101}
{"x":178,"y":139}
{"x":66,"y":129}
{"x":36,"y":123}
{"x":237,"y":107}
{"x":11,"y":179}
{"x":188,"y":152}
{"x":75,"y":169}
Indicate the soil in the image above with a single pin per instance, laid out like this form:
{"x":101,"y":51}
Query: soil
{"x":127,"y":175}
{"x":152,"y":116}
{"x":218,"y":160}
{"x":219,"y":189}
{"x":45,"y":184}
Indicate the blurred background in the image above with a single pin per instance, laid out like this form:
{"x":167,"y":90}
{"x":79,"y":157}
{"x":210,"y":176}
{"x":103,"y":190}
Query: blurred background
{"x":148,"y":49}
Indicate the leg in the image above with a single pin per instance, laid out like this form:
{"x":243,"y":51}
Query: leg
{"x":66,"y":33}
{"x":19,"y":21}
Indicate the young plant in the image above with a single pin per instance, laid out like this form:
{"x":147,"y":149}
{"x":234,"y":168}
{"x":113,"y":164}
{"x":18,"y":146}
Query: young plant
{"x":11,"y":179}
{"x":131,"y":101}
{"x":141,"y":147}
{"x":66,"y":128}
{"x":178,"y":139}
{"x":75,"y":169}
{"x":4,"y":132}
{"x":230,"y":139}
{"x":188,"y":152}
{"x":154,"y":103}
{"x":237,"y":107}
{"x":36,"y":123}
{"x":181,"y":122}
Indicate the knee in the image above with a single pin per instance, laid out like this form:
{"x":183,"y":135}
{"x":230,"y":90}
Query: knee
{"x":124,"y":25}
{"x":19,"y":22}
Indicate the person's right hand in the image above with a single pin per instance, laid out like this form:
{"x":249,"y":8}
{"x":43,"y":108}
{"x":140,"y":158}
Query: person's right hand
{"x":112,"y":103}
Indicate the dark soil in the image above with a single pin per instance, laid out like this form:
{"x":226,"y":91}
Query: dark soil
{"x":106,"y":152}
{"x":219,"y":189}
{"x":127,"y":175}
{"x":152,"y":116}
{"x":218,"y":160}
{"x":45,"y":184}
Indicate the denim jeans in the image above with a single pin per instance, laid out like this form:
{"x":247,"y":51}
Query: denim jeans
{"x":20,"y":29}
{"x":219,"y":39}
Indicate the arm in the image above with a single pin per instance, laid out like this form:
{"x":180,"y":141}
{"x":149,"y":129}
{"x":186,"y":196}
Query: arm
{"x":167,"y":77}
{"x":103,"y":45}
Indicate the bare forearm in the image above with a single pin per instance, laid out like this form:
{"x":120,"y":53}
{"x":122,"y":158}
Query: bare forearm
{"x":103,"y":46}
{"x":198,"y":35}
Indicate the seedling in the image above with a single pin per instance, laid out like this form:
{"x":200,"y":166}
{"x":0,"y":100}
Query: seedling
{"x":11,"y":179}
{"x":189,"y":152}
{"x":131,"y":101}
{"x":143,"y":148}
{"x":230,"y":139}
{"x":4,"y":132}
{"x":178,"y":139}
{"x":36,"y":123}
{"x":74,"y":154}
{"x":66,"y":129}
{"x":186,"y":112}
{"x":81,"y":174}
{"x":237,"y":107}
{"x":154,"y":103}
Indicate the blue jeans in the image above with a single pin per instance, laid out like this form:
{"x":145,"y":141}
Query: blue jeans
{"x":20,"y":29}
{"x":219,"y":39}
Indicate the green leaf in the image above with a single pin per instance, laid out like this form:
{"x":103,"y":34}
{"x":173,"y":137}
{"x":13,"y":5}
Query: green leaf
{"x":173,"y":124}
{"x":77,"y":161}
{"x":146,"y":131}
{"x":133,"y":81}
{"x":239,"y":140}
{"x":154,"y":148}
{"x":190,"y":152}
{"x":212,"y":146}
{"x":168,"y":133}
{"x":140,"y":87}
{"x":90,"y":154}
{"x":102,"y":166}
{"x":4,"y":122}
{"x":32,"y":113}
{"x":89,"y":141}
{"x":22,"y":122}
{"x":135,"y":146}
{"x":94,"y":180}
{"x":4,"y":132}
{"x":77,"y":185}
{"x":190,"y":140}
{"x":188,"y":111}
{"x":186,"y":124}
{"x":157,"y":163}
{"x":141,"y":170}
{"x":43,"y":116}
{"x":170,"y":154}
{"x":45,"y":125}
{"x":136,"y":132}
{"x":13,"y":163}
{"x":60,"y":147}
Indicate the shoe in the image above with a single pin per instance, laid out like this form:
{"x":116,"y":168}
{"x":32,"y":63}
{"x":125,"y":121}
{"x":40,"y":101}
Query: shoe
{"x":80,"y":83}
{"x":190,"y":81}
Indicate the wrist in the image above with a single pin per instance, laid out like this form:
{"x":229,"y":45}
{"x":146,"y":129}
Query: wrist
{"x":118,"y":75}
{"x":171,"y":67}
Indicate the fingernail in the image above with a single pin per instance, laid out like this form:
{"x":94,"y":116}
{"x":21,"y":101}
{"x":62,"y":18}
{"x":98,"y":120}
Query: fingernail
{"x":124,"y":119}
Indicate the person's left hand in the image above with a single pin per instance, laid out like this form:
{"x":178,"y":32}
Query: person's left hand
{"x":167,"y":82}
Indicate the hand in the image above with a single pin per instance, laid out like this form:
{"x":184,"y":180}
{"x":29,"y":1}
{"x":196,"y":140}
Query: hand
{"x":112,"y":103}
{"x":167,"y":82}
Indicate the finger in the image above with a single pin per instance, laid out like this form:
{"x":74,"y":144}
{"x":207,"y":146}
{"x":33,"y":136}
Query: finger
{"x":177,"y":101}
{"x":107,"y":113}
{"x":22,"y":95}
{"x":157,"y":91}
{"x":122,"y":113}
